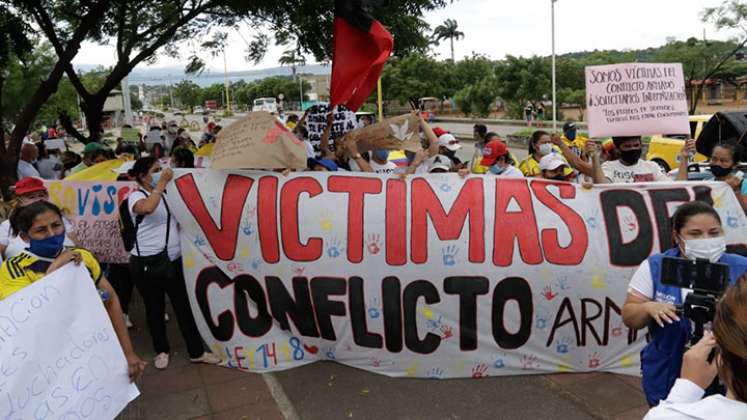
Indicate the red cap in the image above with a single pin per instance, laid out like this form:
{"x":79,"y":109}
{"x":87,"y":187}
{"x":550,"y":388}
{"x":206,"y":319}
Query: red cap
{"x":438,"y":131}
{"x":492,"y":151}
{"x":28,"y":185}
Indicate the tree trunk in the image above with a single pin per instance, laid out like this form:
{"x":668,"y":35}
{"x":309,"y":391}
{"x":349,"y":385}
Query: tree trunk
{"x":94,"y":111}
{"x":8,"y":164}
{"x":67,"y":124}
{"x":452,"y":50}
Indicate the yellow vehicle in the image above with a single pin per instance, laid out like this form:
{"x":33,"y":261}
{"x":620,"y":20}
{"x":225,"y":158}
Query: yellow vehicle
{"x":665,"y":149}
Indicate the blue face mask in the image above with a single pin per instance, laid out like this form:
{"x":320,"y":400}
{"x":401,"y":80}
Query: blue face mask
{"x":47,"y":247}
{"x":497,"y":170}
{"x":154,"y":179}
{"x":381,"y":155}
{"x":571,"y":135}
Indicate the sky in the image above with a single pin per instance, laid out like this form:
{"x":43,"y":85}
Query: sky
{"x":497,"y":28}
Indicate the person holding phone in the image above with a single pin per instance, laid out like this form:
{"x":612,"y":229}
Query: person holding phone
{"x":697,"y":234}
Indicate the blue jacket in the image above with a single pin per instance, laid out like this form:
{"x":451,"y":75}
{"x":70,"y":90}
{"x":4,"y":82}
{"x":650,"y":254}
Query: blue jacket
{"x":661,"y":359}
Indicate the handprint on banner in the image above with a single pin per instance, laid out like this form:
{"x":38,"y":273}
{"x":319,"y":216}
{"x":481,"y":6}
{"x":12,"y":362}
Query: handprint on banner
{"x":435,"y":373}
{"x":718,"y":200}
{"x":563,"y":284}
{"x":298,"y":271}
{"x":325,"y":222}
{"x":594,"y":360}
{"x":256,"y":263}
{"x":189,"y":261}
{"x":335,"y":248}
{"x":479,"y":371}
{"x":427,"y":312}
{"x":627,"y":361}
{"x":433,"y":324}
{"x":412,"y":370}
{"x":630,"y":223}
{"x":449,"y":254}
{"x":248,"y":230}
{"x":446,"y":332}
{"x":597,"y":280}
{"x":374,"y":244}
{"x":732,"y":219}
{"x":459,"y":366}
{"x":329,"y":353}
{"x":548,"y":294}
{"x":245,"y":252}
{"x":445,"y":187}
{"x":541,"y":319}
{"x":617,"y":330}
{"x":563,"y":344}
{"x":374,"y":308}
{"x":565,"y":365}
{"x":529,"y":361}
{"x":251,"y":213}
{"x":200,"y":241}
{"x":592,"y":221}
{"x":234,"y":267}
{"x":500,"y":362}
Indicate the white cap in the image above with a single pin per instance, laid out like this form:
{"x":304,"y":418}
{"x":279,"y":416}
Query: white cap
{"x":551,"y":162}
{"x":439,"y":162}
{"x":449,"y":141}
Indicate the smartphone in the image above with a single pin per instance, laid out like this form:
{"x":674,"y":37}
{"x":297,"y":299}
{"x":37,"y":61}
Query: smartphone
{"x":698,"y":275}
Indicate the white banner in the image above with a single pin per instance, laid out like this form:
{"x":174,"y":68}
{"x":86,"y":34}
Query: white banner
{"x":59,"y":355}
{"x":434,"y":276}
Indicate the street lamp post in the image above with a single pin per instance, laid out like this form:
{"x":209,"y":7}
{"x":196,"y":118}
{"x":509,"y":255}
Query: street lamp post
{"x":554,"y":86}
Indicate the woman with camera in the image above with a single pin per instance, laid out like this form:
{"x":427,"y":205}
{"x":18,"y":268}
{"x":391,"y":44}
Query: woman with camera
{"x":697,"y":234}
{"x":729,"y":342}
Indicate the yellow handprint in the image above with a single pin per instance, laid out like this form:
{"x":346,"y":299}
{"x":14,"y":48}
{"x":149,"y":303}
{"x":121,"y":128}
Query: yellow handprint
{"x":326,"y":223}
{"x":412,"y":369}
{"x":189,"y":261}
{"x":427,"y":312}
{"x":245,"y":252}
{"x":626,"y":361}
{"x":597,"y":281}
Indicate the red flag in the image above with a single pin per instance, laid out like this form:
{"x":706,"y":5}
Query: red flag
{"x":361,"y":46}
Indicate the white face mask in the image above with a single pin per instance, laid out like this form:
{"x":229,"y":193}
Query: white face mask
{"x":545,"y":149}
{"x":708,"y":249}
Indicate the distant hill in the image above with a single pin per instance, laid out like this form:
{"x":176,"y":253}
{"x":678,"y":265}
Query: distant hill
{"x":175,"y":74}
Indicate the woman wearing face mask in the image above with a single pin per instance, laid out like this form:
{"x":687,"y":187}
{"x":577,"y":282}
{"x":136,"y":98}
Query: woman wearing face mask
{"x":539,"y":146}
{"x":156,"y":263}
{"x":723,"y":166}
{"x":40,"y":225}
{"x":697,"y":233}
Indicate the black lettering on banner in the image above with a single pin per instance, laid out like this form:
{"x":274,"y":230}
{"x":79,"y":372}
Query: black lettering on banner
{"x":634,"y":252}
{"x":412,"y":293}
{"x":300,"y":310}
{"x":586,"y":320}
{"x":565,"y":305}
{"x":391,"y":294}
{"x":247,"y":287}
{"x":321,"y":289}
{"x":518,"y":289}
{"x":660,"y":200}
{"x":609,"y":304}
{"x":703,"y":193}
{"x":468,"y":288}
{"x":223,"y":329}
{"x":357,"y":309}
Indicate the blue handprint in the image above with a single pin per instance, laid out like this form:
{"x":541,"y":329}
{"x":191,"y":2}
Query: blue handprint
{"x":499,"y":363}
{"x":592,"y":221}
{"x":562,"y":345}
{"x":199,"y":241}
{"x":449,"y":254}
{"x":373,"y":308}
{"x":329,"y":353}
{"x":563,"y":283}
{"x":255,"y":263}
{"x":435,"y":373}
{"x":732,"y":220}
{"x":445,"y":187}
{"x":434,"y":324}
{"x":248,"y":229}
{"x":541,"y":319}
{"x":334,"y":249}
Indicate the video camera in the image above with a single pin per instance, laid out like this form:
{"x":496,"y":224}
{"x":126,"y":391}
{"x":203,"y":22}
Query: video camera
{"x":708,"y":282}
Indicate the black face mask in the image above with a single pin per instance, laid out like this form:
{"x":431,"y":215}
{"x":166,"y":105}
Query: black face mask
{"x":630,"y":157}
{"x":720,"y":171}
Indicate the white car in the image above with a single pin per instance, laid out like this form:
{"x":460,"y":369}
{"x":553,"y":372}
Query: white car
{"x":265,"y":104}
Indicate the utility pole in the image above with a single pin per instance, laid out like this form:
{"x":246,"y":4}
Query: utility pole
{"x":225,"y":78}
{"x":554,"y":81}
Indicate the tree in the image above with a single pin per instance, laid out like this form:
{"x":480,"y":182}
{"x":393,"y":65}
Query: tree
{"x":291,"y":57}
{"x":448,"y":30}
{"x":522,"y":80}
{"x":478,"y":99}
{"x":188,"y":93}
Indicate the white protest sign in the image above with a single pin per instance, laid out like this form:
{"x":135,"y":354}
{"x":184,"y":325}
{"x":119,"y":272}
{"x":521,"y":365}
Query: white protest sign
{"x":636,"y":99}
{"x":344,"y":121}
{"x":59,"y":355}
{"x":433,"y":276}
{"x":55,"y":144}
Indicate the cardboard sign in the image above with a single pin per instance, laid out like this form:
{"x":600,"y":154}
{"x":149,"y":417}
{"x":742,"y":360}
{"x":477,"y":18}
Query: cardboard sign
{"x":60,"y":355}
{"x":130,"y":135}
{"x":257,"y":141}
{"x":432,"y":276}
{"x":316,"y":121}
{"x":93,"y":209}
{"x":55,"y":144}
{"x":636,"y":99}
{"x":396,"y":133}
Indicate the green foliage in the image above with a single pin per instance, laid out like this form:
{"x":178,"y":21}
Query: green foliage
{"x":477,"y":99}
{"x":522,"y":80}
{"x":188,"y":93}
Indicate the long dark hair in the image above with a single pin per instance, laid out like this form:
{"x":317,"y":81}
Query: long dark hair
{"x":22,"y":220}
{"x":730,"y":331}
{"x":536,"y":136}
{"x":141,"y":168}
{"x":689,"y":210}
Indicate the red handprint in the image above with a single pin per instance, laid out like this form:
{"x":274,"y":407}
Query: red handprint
{"x":373,"y":244}
{"x":479,"y":370}
{"x":298,"y":271}
{"x":528,"y":361}
{"x":548,"y":293}
{"x":446,"y":331}
{"x":594,"y":361}
{"x":617,"y":331}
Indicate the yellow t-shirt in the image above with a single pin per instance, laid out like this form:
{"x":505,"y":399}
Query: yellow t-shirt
{"x":577,"y":145}
{"x":26,"y":268}
{"x":530,"y":167}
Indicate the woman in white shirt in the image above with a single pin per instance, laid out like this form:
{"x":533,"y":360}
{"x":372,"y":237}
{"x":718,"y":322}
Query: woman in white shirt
{"x":729,"y":341}
{"x":156,"y":263}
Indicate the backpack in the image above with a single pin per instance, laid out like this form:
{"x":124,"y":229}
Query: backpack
{"x":128,"y":228}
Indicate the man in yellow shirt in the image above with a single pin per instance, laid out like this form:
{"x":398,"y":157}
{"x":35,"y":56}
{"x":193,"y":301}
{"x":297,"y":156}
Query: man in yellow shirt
{"x":573,"y":140}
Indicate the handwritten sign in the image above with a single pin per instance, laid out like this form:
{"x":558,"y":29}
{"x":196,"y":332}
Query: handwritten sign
{"x":636,"y":99}
{"x":59,"y":355}
{"x":432,"y":276}
{"x":130,"y":135}
{"x":93,"y":209}
{"x":316,"y":121}
{"x":395,"y":133}
{"x":258,"y":141}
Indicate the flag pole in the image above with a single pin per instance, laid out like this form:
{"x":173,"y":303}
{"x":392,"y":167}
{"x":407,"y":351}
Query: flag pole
{"x":381,"y":110}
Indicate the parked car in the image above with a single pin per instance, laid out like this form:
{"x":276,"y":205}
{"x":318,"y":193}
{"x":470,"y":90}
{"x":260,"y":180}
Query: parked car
{"x":197,"y":110}
{"x":665,"y":149}
{"x":265,"y":104}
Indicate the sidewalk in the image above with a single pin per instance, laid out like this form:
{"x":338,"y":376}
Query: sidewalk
{"x":326,"y":390}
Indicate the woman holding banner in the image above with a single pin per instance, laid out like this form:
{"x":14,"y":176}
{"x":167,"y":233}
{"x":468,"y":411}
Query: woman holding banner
{"x":41,"y":225}
{"x":697,"y":233}
{"x":156,"y":263}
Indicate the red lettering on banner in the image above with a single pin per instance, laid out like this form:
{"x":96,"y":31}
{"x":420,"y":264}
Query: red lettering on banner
{"x":223,"y":239}
{"x":396,"y":222}
{"x":513,"y":225}
{"x":289,"y":227}
{"x":267,"y":218}
{"x":357,"y":188}
{"x":470,"y":202}
{"x":122,"y":193}
{"x":574,"y":253}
